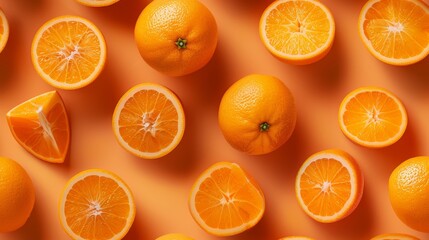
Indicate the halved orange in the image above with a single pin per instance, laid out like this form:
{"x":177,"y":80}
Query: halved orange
{"x":97,"y":3}
{"x":149,"y":121}
{"x":297,"y":31}
{"x":395,"y":31}
{"x":4,"y":30}
{"x":329,"y":185}
{"x":394,"y":236}
{"x":96,"y":204}
{"x":41,"y":126}
{"x":68,"y":52}
{"x":372,"y":117}
{"x":225,"y":200}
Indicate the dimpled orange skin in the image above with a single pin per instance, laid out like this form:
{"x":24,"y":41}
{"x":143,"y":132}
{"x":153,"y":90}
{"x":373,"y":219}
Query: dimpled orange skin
{"x":250,"y":103}
{"x":409,"y":192}
{"x":176,"y":37}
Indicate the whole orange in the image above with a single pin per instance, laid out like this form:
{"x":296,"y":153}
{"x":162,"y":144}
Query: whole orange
{"x":176,"y":37}
{"x":257,"y":114}
{"x":409,"y":192}
{"x":16,"y":195}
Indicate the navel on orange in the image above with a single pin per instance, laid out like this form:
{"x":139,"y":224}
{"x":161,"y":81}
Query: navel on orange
{"x":97,"y":3}
{"x":176,"y":37}
{"x":41,"y":126}
{"x":395,"y":31}
{"x":372,"y":117}
{"x":225,"y":200}
{"x":149,"y":121}
{"x":394,"y":236}
{"x":297,"y":31}
{"x":4,"y":30}
{"x":96,"y":204}
{"x":257,"y":114}
{"x":68,"y":52}
{"x":329,"y":185}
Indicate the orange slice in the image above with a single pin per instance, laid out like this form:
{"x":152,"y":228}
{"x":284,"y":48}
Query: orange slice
{"x":149,"y":121}
{"x":96,"y":204}
{"x":372,"y":117}
{"x":41,"y":126}
{"x":4,"y":30}
{"x":329,"y":185}
{"x":225,"y":200}
{"x":297,"y":31}
{"x":395,"y":32}
{"x":394,"y":236}
{"x":97,"y":3}
{"x":68,"y":52}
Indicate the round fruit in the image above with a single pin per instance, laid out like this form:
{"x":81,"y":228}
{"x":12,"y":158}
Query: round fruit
{"x":97,"y":3}
{"x":4,"y":30}
{"x":257,"y":114}
{"x":174,"y":236}
{"x":394,"y":236}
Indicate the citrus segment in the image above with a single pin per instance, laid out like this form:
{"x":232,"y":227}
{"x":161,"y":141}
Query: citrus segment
{"x":297,"y":31}
{"x":41,"y":126}
{"x":4,"y":30}
{"x":149,"y":121}
{"x":372,"y":117}
{"x":97,"y":3}
{"x":329,"y":185}
{"x":96,"y":204}
{"x":394,"y":236}
{"x":68,"y":52}
{"x":395,"y":31}
{"x":225,"y":200}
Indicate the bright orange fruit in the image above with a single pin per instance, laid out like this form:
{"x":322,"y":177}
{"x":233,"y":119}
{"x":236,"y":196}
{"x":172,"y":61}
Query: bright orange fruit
{"x":329,"y":185}
{"x":394,"y":236}
{"x":225,"y":200}
{"x":296,"y":238}
{"x":174,"y":236}
{"x":97,"y":3}
{"x":4,"y":30}
{"x":41,"y":126}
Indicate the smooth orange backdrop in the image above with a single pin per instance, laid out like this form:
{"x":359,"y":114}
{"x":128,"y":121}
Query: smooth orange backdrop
{"x":161,"y":187}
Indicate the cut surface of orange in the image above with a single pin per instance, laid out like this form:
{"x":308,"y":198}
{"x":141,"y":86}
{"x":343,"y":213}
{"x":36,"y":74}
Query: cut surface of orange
{"x":372,"y":117}
{"x":4,"y":30}
{"x":394,"y":236}
{"x":41,"y":126}
{"x":225,"y":200}
{"x":395,"y":31}
{"x":68,"y":52}
{"x":329,"y":185}
{"x":96,"y":204}
{"x":149,"y":121}
{"x":97,"y":3}
{"x":297,"y":31}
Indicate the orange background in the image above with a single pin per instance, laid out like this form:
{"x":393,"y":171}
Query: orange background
{"x":161,"y":187}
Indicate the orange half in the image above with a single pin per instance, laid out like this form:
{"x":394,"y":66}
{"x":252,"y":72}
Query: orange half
{"x":4,"y":30}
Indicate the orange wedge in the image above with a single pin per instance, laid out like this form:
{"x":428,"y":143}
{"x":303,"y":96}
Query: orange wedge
{"x":395,"y":31}
{"x":41,"y":126}
{"x":297,"y":31}
{"x":96,"y":204}
{"x":225,"y":200}
{"x":68,"y":52}
{"x":394,"y":236}
{"x":149,"y":121}
{"x":329,"y":185}
{"x":4,"y":30}
{"x":372,"y":117}
{"x":97,"y":3}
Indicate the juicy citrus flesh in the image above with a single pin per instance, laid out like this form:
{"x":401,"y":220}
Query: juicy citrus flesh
{"x":394,"y":236}
{"x":395,"y":31}
{"x":225,"y":200}
{"x":372,"y":117}
{"x":257,"y":114}
{"x":41,"y":126}
{"x":97,"y":3}
{"x":409,"y":192}
{"x":68,"y":52}
{"x":96,"y":204}
{"x":149,"y":121}
{"x":176,"y":37}
{"x":174,"y":236}
{"x":4,"y":30}
{"x":329,"y":185}
{"x":297,"y":31}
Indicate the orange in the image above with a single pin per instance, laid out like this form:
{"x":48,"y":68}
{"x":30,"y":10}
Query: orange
{"x":176,"y":37}
{"x":96,"y":204}
{"x":372,"y":117}
{"x":4,"y":30}
{"x":68,"y":52}
{"x":17,"y":195}
{"x":329,"y":185}
{"x":394,"y":236}
{"x":40,"y":125}
{"x":297,"y":31}
{"x":296,"y":238}
{"x":257,"y":114}
{"x":409,"y":192}
{"x":97,"y":3}
{"x":149,"y":121}
{"x":174,"y":236}
{"x":395,"y":31}
{"x":225,"y":200}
